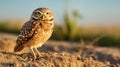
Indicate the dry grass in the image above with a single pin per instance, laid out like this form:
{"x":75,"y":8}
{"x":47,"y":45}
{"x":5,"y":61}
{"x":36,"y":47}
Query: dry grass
{"x":106,"y":35}
{"x":105,"y":30}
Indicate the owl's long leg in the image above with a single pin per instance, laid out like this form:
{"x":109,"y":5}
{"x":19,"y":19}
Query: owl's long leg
{"x":37,"y":52}
{"x":33,"y":52}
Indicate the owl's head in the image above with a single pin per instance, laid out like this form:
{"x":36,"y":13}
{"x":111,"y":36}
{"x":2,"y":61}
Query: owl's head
{"x":42,"y":14}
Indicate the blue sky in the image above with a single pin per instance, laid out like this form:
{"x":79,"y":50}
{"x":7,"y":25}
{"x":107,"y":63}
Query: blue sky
{"x":98,"y":12}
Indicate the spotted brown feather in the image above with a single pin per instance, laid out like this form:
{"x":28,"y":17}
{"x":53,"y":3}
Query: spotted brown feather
{"x":27,"y":32}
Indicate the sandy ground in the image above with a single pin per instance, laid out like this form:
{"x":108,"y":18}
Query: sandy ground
{"x":58,"y":54}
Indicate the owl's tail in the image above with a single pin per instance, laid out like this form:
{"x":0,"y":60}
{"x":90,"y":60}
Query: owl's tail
{"x":18,"y":48}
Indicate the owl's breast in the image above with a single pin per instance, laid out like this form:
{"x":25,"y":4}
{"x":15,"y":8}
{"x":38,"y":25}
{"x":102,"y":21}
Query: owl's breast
{"x":43,"y":33}
{"x":45,"y":29}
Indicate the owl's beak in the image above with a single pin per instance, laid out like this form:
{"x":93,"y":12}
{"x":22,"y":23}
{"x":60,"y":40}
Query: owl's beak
{"x":42,"y":17}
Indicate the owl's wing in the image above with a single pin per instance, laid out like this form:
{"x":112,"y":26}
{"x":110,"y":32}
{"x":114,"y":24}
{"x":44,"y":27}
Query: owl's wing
{"x":27,"y":32}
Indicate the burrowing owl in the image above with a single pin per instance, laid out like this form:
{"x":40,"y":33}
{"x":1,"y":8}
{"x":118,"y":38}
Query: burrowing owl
{"x":36,"y":31}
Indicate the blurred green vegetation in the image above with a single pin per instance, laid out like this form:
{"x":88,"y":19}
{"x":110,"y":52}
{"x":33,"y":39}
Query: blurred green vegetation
{"x":10,"y":27}
{"x":71,"y":31}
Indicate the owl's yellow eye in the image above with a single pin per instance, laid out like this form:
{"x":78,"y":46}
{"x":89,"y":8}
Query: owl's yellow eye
{"x":47,"y":13}
{"x":38,"y":13}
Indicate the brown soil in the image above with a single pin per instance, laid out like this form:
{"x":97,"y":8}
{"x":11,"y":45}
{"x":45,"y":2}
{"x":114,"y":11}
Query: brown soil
{"x":58,"y":54}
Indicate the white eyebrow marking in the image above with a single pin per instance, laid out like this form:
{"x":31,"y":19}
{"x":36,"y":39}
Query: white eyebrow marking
{"x":38,"y":11}
{"x":34,"y":17}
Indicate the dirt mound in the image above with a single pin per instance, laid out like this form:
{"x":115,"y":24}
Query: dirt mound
{"x":58,"y":54}
{"x":7,"y":41}
{"x":50,"y":60}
